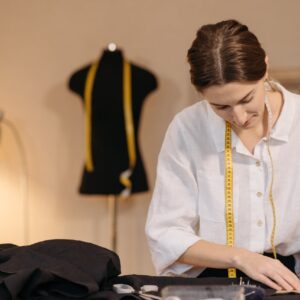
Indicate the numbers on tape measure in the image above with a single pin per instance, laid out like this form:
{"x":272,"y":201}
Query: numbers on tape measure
{"x":229,"y":194}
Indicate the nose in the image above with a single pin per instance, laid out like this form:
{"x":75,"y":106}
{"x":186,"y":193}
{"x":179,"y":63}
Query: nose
{"x":239,"y":115}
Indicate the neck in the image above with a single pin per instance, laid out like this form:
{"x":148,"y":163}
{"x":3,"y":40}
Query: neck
{"x":112,"y":57}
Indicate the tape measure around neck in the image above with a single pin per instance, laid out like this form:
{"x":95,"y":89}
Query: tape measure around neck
{"x":229,"y":194}
{"x":229,"y":212}
{"x":271,"y":199}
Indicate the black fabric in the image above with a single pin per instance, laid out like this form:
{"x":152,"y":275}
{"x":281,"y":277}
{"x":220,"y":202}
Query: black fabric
{"x":109,"y":144}
{"x":7,"y":246}
{"x":62,"y":269}
{"x":288,"y":261}
{"x":262,"y":292}
{"x":69,"y":270}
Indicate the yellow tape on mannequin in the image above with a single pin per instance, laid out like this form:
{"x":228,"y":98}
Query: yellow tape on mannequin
{"x":88,"y":116}
{"x":128,"y":117}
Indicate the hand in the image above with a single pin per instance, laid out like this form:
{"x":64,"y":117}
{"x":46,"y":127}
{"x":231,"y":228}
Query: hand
{"x":268,"y":271}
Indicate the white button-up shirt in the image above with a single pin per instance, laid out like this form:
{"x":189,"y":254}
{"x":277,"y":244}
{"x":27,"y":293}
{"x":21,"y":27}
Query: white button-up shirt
{"x":188,"y":202}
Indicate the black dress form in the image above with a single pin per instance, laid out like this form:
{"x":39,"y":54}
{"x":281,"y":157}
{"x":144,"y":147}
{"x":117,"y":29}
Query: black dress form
{"x":108,"y":134}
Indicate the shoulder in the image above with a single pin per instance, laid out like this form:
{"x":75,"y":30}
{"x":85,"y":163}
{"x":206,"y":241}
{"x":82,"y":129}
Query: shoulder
{"x":143,"y":77}
{"x":287,"y":94}
{"x":289,"y":121}
{"x":77,"y":80}
{"x":196,"y":114}
{"x":291,"y":101}
{"x":190,"y":124}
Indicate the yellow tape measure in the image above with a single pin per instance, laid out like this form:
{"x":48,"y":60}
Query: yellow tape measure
{"x":128,"y":117}
{"x":129,"y":128}
{"x":88,"y":90}
{"x":229,"y":189}
{"x":229,"y":194}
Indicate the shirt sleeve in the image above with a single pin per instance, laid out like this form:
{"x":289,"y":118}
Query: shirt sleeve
{"x":173,"y":220}
{"x":297,"y":263}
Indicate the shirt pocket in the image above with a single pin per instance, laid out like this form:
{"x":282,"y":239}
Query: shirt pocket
{"x":211,"y":197}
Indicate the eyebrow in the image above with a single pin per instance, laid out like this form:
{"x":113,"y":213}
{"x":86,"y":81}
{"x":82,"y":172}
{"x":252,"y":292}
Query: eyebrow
{"x":246,"y":96}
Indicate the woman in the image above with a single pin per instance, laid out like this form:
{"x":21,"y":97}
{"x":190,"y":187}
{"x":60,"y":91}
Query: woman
{"x":227,"y":193}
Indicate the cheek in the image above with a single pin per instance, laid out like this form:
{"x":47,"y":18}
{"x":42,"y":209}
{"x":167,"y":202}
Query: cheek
{"x":256,"y":107}
{"x":258,"y":103}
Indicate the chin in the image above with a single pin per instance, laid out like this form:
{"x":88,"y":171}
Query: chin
{"x":244,"y":127}
{"x":251,"y":123}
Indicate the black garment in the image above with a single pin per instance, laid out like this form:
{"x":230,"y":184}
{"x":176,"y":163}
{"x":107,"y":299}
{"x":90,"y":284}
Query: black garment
{"x":55,"y":269}
{"x":69,"y":270}
{"x":109,"y":144}
{"x":288,"y":261}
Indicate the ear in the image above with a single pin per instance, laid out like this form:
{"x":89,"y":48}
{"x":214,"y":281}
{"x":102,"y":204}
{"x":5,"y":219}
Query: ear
{"x":267,"y":60}
{"x":267,"y":63}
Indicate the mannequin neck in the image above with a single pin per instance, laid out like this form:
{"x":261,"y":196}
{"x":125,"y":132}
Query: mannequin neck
{"x":112,"y":57}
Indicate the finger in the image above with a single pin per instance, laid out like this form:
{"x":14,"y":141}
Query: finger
{"x":292,"y":280}
{"x":282,"y":282}
{"x":268,"y":282}
{"x":290,"y":277}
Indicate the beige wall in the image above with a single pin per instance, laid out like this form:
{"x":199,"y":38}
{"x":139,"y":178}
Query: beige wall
{"x":42,"y":43}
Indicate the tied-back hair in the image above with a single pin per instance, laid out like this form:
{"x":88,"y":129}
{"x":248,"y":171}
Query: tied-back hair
{"x":225,"y":52}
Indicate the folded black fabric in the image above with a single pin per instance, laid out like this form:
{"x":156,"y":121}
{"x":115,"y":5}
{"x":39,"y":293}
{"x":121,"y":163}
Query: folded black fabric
{"x":57,"y":269}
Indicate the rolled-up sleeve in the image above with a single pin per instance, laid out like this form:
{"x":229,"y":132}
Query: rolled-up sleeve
{"x":297,"y":263}
{"x":172,"y":222}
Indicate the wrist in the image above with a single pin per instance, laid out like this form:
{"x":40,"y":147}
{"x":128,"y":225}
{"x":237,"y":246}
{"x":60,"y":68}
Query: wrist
{"x":238,"y":257}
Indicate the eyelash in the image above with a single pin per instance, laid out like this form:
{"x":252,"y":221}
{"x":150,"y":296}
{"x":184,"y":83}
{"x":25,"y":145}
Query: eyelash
{"x":225,"y":107}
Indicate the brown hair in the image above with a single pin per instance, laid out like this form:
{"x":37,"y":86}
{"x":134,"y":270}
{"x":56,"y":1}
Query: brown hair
{"x":225,"y":52}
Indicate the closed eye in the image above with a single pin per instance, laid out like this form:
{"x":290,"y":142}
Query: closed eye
{"x":224,"y":107}
{"x":246,"y":101}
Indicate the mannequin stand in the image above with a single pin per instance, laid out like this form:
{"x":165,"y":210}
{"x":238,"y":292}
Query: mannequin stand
{"x":113,"y":209}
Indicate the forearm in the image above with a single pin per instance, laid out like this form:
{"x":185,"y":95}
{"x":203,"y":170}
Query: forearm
{"x":211,"y":255}
{"x":267,"y":270}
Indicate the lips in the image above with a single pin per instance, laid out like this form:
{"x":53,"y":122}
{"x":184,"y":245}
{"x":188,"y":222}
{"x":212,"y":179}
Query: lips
{"x":247,"y":123}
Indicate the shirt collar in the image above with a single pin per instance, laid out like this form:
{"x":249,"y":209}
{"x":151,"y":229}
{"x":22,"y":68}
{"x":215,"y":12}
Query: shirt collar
{"x":279,"y":132}
{"x":283,"y":125}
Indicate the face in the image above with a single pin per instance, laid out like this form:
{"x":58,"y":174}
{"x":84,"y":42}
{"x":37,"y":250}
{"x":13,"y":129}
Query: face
{"x":241,"y":104}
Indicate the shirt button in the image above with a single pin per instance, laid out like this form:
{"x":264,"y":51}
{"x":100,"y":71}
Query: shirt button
{"x":259,"y":194}
{"x":257,"y":163}
{"x":259,"y":223}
